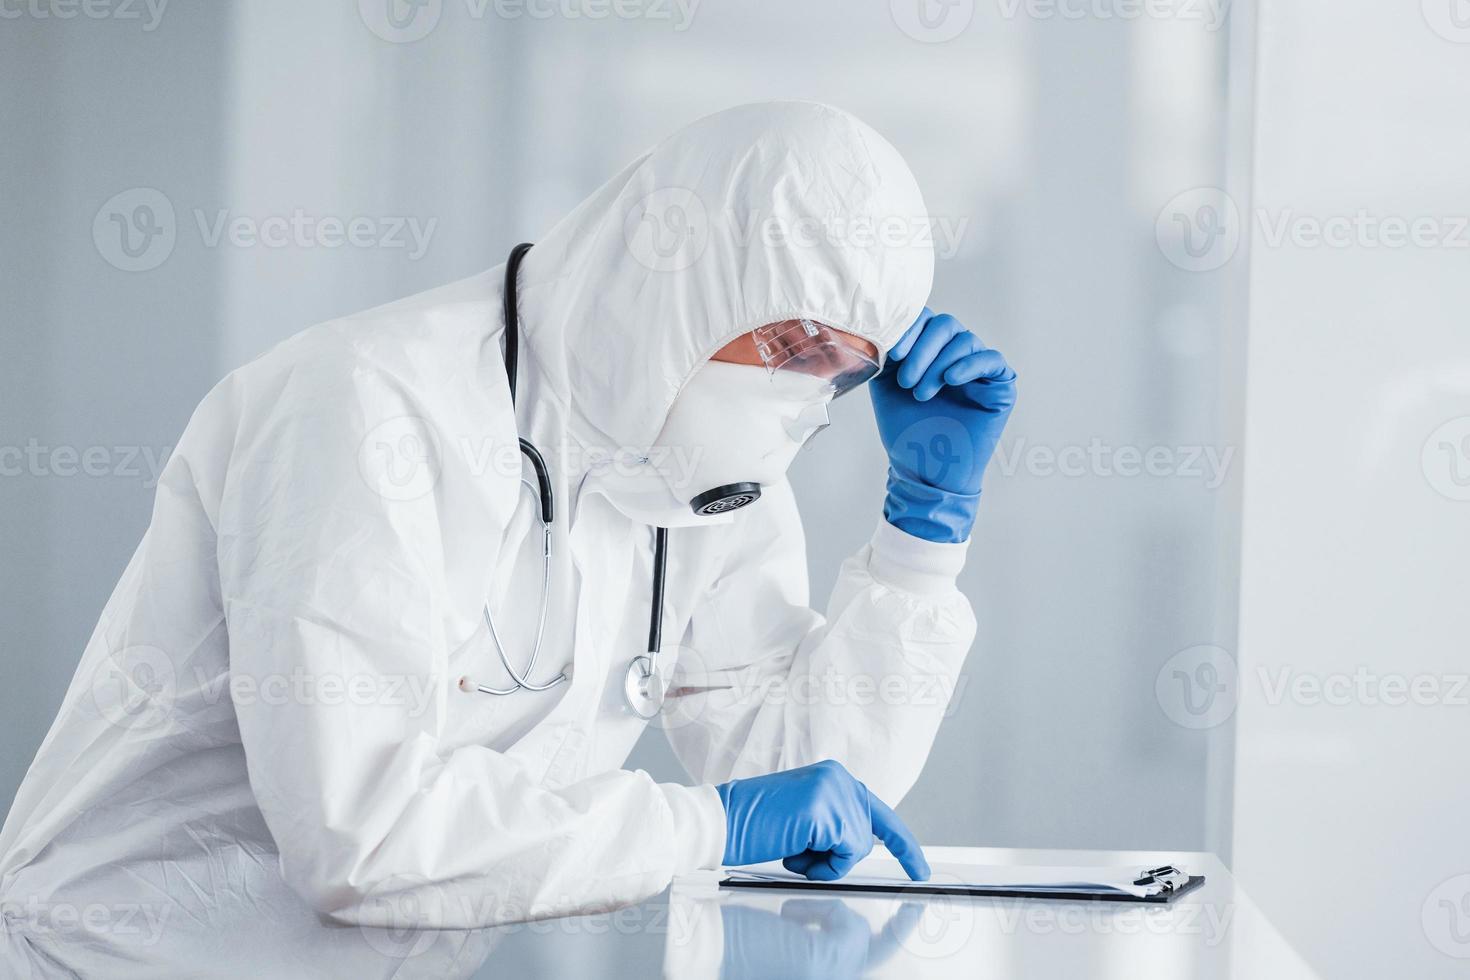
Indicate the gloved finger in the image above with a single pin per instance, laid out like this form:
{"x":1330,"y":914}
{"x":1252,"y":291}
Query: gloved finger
{"x":982,"y":365}
{"x":960,"y":347}
{"x":802,"y":863}
{"x":835,"y":853}
{"x":937,"y":333}
{"x":901,"y":349}
{"x":818,"y":865}
{"x":834,"y":865}
{"x":899,"y":840}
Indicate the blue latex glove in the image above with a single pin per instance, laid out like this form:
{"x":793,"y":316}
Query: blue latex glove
{"x":941,"y":402}
{"x":818,"y":820}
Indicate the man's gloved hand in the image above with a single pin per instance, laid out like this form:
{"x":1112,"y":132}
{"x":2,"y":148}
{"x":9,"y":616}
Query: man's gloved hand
{"x":818,"y":820}
{"x":941,"y":402}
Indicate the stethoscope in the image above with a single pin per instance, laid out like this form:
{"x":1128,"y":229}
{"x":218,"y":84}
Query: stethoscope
{"x":644,"y":685}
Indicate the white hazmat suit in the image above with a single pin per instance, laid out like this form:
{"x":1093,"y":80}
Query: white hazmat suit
{"x":267,"y":714}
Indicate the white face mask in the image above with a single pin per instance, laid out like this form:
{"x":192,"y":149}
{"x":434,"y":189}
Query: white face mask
{"x":732,"y":424}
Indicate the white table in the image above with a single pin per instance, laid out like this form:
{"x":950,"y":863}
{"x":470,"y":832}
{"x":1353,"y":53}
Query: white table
{"x":699,"y":930}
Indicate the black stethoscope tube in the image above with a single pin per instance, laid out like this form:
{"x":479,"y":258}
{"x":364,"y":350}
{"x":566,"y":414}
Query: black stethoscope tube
{"x":543,"y":477}
{"x":656,"y":614}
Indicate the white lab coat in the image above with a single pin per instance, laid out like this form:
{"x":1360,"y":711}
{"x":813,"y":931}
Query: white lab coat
{"x":267,"y":718}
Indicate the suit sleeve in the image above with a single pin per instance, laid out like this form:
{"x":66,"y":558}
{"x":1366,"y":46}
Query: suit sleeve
{"x":766,"y":683}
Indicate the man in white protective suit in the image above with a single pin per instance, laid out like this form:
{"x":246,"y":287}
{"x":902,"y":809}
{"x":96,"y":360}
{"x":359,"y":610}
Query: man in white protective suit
{"x":371,"y":656}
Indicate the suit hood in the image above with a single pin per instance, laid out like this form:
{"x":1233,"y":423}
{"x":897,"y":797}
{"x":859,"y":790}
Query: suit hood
{"x":752,"y":215}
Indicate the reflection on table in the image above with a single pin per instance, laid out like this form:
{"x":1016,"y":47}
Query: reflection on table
{"x":698,"y":929}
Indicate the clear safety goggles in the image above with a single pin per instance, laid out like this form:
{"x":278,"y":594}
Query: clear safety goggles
{"x":815,"y":350}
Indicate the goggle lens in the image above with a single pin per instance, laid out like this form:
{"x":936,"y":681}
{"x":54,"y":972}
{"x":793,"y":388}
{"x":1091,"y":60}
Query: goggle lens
{"x":813,"y":349}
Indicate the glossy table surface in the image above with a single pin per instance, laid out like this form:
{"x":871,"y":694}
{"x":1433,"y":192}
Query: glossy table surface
{"x":698,"y":929}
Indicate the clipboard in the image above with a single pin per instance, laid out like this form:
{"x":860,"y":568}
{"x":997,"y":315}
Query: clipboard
{"x":1151,"y":886}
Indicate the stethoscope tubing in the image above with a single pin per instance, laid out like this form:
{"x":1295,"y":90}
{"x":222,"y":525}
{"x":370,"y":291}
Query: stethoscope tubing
{"x":546,"y":500}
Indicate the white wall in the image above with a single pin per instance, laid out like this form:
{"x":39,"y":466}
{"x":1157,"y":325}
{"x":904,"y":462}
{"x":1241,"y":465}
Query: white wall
{"x":1350,"y":806}
{"x":93,"y":359}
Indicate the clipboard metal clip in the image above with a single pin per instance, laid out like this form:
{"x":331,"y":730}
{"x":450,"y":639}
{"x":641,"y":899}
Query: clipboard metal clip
{"x":1166,"y":877}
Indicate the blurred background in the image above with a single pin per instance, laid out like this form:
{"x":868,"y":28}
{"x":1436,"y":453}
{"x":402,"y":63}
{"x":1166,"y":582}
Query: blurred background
{"x":1092,"y":169}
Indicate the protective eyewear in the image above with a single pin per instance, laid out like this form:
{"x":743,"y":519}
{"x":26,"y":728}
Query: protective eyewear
{"x":818,"y":351}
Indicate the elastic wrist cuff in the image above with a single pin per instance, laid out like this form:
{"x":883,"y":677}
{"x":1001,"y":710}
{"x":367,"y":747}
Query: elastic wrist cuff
{"x":902,"y":561}
{"x":699,"y":826}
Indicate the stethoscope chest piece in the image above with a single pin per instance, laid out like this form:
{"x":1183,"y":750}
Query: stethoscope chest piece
{"x":644,"y":687}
